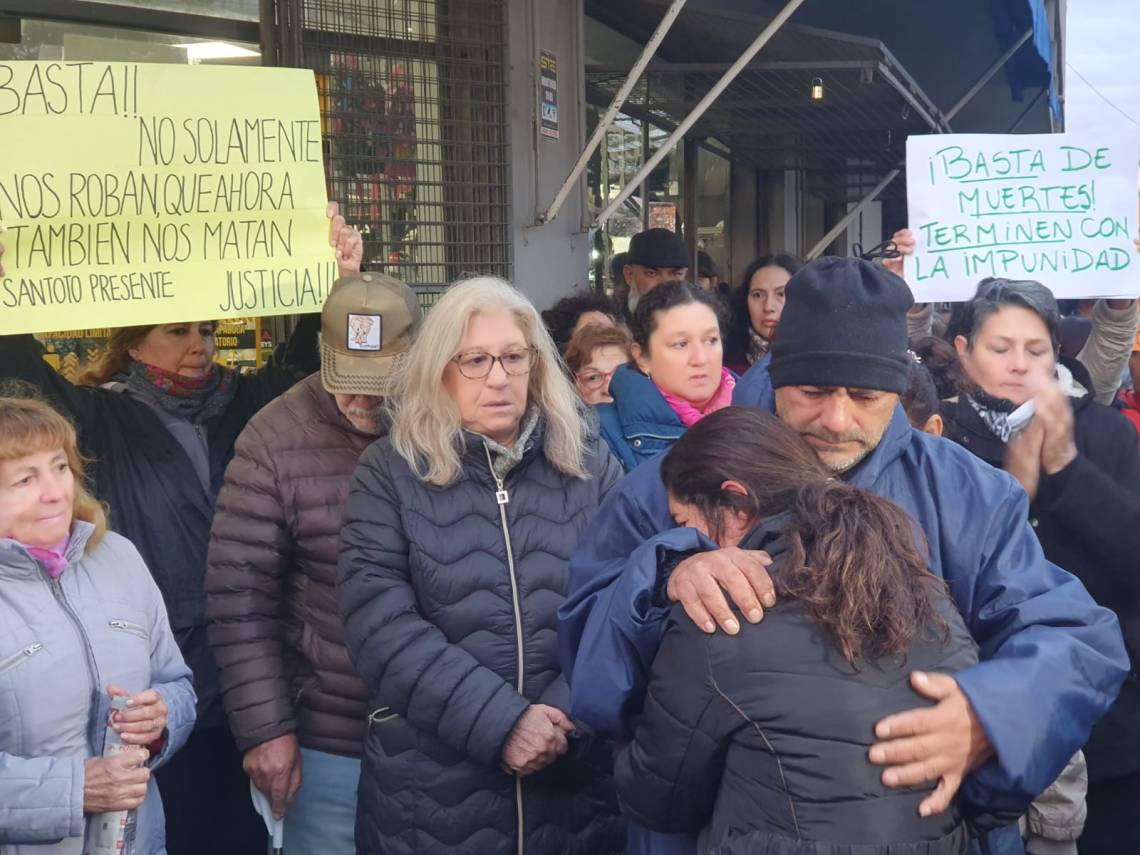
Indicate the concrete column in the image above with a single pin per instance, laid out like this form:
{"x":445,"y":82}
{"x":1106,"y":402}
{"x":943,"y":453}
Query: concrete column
{"x":550,"y":261}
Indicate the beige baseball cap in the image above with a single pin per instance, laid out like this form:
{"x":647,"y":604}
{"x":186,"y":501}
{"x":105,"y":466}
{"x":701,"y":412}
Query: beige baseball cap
{"x":367,"y":324}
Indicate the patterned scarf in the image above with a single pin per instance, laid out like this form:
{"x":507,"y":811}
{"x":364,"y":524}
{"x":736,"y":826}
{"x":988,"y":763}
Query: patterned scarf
{"x":195,"y":399}
{"x":689,"y":414}
{"x":1005,"y":419}
{"x":758,"y":346}
{"x":505,"y":459}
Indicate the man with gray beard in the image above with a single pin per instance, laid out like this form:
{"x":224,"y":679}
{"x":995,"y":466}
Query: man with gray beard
{"x":295,"y":706}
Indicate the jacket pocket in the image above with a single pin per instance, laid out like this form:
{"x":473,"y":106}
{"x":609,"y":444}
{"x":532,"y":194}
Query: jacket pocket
{"x":129,"y":627}
{"x":18,"y":658}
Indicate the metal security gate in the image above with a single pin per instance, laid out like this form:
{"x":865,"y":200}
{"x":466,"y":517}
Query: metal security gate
{"x":415,"y":116}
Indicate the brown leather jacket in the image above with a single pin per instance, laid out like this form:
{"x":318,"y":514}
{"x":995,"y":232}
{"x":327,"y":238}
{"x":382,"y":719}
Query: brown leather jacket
{"x":271,"y":581}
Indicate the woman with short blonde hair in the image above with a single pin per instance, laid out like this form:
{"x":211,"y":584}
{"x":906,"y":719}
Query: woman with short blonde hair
{"x":83,"y":622}
{"x":454,"y":559}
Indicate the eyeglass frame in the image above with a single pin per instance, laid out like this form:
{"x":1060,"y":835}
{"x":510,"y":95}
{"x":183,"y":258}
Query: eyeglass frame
{"x":605,"y":375}
{"x":530,"y":349}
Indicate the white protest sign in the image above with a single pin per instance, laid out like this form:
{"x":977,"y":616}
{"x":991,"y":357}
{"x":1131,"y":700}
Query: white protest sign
{"x":1058,"y":208}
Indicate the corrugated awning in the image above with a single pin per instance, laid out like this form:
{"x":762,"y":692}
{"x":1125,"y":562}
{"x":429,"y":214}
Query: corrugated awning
{"x":767,"y":116}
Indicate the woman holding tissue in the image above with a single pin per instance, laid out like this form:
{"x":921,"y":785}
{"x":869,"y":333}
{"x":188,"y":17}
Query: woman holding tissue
{"x":1034,"y":415}
{"x":81,"y":621}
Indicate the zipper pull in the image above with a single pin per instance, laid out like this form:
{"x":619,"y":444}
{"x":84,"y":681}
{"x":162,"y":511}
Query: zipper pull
{"x":501,"y":495}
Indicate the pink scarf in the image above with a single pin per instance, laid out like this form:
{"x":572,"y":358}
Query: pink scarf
{"x":690,"y":414}
{"x":54,"y":560}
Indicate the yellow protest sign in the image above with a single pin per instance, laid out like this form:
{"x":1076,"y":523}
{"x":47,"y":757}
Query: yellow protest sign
{"x":134,"y":193}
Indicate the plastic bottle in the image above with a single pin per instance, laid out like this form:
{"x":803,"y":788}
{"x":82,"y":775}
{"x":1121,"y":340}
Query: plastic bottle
{"x":113,"y":832}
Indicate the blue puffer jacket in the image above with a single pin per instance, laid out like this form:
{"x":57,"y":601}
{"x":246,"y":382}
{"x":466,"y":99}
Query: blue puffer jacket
{"x":639,"y":424}
{"x":448,"y":599}
{"x":62,"y":642}
{"x":1042,"y":639}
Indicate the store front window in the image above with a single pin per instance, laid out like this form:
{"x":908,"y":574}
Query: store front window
{"x":713,"y":205}
{"x":240,"y":10}
{"x":415,"y":111}
{"x":663,"y":186}
{"x":657,"y":203}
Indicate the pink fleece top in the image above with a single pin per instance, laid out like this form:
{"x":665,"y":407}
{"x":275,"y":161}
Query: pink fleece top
{"x":689,"y":413}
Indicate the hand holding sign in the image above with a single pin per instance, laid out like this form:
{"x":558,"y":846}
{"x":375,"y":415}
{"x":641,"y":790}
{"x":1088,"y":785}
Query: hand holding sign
{"x":346,"y":240}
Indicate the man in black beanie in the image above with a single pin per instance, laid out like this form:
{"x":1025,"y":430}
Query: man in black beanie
{"x":838,"y":366}
{"x":656,"y":256}
{"x":840,"y":361}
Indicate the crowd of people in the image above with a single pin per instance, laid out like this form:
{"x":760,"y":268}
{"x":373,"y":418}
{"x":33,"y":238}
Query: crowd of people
{"x":792,"y":567}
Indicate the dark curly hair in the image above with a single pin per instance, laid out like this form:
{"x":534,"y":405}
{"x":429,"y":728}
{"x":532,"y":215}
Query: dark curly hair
{"x":856,"y":562}
{"x":562,"y":317}
{"x":941,"y":360}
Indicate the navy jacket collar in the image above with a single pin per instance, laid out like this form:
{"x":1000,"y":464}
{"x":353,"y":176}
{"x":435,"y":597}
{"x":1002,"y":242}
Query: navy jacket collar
{"x":641,"y":408}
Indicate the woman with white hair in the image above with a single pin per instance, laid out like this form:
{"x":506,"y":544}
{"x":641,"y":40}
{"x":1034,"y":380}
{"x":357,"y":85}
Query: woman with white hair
{"x":454,"y":559}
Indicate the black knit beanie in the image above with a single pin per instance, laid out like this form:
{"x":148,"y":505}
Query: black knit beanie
{"x":844,"y":325}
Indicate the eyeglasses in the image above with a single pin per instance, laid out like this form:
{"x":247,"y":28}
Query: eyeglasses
{"x":477,"y":365}
{"x":594,"y":379}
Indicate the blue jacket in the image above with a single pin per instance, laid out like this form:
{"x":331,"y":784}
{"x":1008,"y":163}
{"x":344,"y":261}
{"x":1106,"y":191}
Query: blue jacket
{"x":755,"y":386}
{"x":639,"y":424}
{"x":1042,"y":639}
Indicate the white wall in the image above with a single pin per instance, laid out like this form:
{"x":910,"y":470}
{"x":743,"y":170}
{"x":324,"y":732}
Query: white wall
{"x":1102,"y":90}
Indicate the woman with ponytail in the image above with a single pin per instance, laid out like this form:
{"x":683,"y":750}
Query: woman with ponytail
{"x":762,"y":738}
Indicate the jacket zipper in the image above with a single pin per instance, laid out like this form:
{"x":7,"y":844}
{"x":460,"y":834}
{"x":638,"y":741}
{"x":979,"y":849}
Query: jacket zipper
{"x":92,"y":668}
{"x":127,"y":626}
{"x":502,"y":497}
{"x":15,"y":659}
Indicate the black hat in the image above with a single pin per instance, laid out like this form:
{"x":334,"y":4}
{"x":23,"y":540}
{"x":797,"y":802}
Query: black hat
{"x":844,"y":325}
{"x":658,"y":248}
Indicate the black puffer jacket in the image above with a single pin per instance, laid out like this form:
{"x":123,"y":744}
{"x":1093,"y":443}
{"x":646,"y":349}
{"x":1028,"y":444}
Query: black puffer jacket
{"x":763,"y":736}
{"x":156,"y":498}
{"x":433,"y":623}
{"x":1087,"y":517}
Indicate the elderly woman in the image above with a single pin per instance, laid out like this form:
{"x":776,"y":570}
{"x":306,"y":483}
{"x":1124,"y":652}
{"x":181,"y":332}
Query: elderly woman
{"x":1079,"y":462}
{"x":160,"y":418}
{"x":595,"y":352}
{"x":677,"y":376}
{"x":455,"y":550}
{"x":80,"y":621}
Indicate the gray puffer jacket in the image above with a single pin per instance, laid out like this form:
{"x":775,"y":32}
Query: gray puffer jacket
{"x":62,"y":642}
{"x":448,"y":595}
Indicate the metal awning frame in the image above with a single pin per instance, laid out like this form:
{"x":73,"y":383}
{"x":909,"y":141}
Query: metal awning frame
{"x":886,"y":66}
{"x":961,"y":103}
{"x":699,"y":110}
{"x":616,"y":104}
